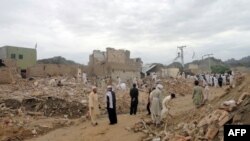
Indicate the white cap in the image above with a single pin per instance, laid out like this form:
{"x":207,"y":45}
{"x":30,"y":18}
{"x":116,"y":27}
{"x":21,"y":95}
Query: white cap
{"x":109,"y":87}
{"x":93,"y":87}
{"x":159,"y":86}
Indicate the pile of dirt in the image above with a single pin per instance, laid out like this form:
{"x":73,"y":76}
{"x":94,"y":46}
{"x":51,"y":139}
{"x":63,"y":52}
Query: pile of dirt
{"x":230,"y":108}
{"x":178,"y":86}
{"x":47,"y":106}
{"x":59,"y":107}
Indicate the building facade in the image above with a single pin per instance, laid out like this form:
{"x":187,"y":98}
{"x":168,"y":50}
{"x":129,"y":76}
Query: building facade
{"x":114,"y":63}
{"x":24,"y":57}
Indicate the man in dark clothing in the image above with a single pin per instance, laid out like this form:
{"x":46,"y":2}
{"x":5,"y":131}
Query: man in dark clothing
{"x":220,"y":81}
{"x":111,"y":105}
{"x":134,"y":99}
{"x":148,"y":105}
{"x":1,"y":63}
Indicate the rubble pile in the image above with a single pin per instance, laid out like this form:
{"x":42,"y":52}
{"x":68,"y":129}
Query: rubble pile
{"x":205,"y":123}
{"x":210,"y":127}
{"x":24,"y":126}
{"x":239,"y":78}
{"x":47,"y":106}
{"x":178,"y":86}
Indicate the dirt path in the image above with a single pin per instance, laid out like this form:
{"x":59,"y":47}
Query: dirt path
{"x":105,"y":132}
{"x":102,"y":132}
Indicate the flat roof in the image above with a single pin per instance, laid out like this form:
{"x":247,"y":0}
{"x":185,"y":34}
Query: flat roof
{"x":16,"y":47}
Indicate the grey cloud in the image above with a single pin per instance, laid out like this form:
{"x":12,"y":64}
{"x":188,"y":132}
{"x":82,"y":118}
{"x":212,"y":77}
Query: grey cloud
{"x":150,"y":29}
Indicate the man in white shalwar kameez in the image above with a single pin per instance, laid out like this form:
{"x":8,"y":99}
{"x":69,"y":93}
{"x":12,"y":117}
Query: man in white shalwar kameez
{"x":165,"y":106}
{"x":156,"y":104}
{"x":93,"y":105}
{"x":231,"y":80}
{"x":206,"y":94}
{"x":215,"y":82}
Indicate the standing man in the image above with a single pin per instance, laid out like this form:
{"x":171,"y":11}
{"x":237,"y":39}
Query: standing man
{"x":215,"y":82}
{"x":111,"y":105}
{"x":148,"y":105}
{"x":119,"y":81}
{"x":134,"y":99}
{"x":206,"y":94}
{"x":84,"y":78}
{"x":220,"y":81}
{"x":156,"y":104}
{"x":93,"y":106}
{"x":197,"y":95}
{"x":231,"y":80}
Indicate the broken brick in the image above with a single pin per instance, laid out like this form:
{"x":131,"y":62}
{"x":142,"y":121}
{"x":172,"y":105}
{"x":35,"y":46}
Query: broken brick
{"x":211,"y":132}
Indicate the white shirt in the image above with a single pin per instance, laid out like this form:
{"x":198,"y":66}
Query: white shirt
{"x":109,"y":94}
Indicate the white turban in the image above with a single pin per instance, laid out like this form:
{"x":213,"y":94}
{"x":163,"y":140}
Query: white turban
{"x":159,"y":86}
{"x":93,"y":87}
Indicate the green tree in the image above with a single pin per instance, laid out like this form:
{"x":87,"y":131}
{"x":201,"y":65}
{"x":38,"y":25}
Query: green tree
{"x":220,"y":69}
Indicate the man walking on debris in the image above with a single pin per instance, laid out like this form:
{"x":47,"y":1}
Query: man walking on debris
{"x":156,"y":104}
{"x":111,"y":105}
{"x":166,"y":106}
{"x":93,"y":105}
{"x":134,"y":93}
{"x":197,"y":95}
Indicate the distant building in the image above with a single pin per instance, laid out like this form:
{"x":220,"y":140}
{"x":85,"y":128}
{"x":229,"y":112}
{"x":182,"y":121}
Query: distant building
{"x":114,"y":63}
{"x":24,"y":57}
{"x":170,"y":72}
{"x":148,"y":69}
{"x":194,"y":68}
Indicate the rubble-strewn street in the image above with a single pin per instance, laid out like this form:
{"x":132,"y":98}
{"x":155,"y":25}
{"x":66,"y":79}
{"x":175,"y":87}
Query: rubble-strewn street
{"x":37,"y":108}
{"x":132,"y":70}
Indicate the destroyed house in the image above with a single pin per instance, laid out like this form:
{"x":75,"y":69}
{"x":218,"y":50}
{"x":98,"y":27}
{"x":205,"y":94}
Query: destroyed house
{"x":114,"y":63}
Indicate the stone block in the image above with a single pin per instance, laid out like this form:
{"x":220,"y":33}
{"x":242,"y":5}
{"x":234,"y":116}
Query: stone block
{"x":211,"y":133}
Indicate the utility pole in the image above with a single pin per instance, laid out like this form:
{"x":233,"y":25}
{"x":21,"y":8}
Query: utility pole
{"x":182,"y":54}
{"x":208,"y":55}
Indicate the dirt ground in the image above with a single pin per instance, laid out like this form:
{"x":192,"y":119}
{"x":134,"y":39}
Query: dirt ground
{"x":64,"y":129}
{"x":104,"y":132}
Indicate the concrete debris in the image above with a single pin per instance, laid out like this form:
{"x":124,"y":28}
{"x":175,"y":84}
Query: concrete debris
{"x":179,"y":86}
{"x":228,"y":105}
{"x":210,"y":127}
{"x":211,"y":133}
{"x":31,"y":107}
{"x":242,"y":97}
{"x":47,"y":106}
{"x":13,"y":139}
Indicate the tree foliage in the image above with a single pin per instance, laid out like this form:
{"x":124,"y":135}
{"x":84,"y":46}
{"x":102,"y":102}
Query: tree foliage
{"x":220,"y":69}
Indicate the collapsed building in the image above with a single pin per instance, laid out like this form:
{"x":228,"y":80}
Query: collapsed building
{"x":44,"y":70}
{"x":114,"y":63}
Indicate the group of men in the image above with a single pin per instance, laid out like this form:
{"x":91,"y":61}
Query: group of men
{"x":158,"y":106}
{"x":214,"y":80}
{"x":110,"y":105}
{"x":200,"y":97}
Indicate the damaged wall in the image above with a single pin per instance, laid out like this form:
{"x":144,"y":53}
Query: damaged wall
{"x":114,"y":63}
{"x":5,"y":76}
{"x":118,"y":56}
{"x":170,"y":72}
{"x":43,"y":70}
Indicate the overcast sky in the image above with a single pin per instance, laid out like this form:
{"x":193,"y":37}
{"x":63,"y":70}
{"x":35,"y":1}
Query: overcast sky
{"x":150,"y":29}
